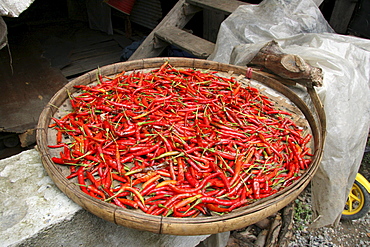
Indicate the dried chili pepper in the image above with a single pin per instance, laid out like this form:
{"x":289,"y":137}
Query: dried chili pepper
{"x":175,"y":141}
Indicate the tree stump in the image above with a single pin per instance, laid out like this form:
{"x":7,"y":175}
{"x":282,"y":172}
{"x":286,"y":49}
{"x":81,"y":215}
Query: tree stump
{"x":287,"y":66}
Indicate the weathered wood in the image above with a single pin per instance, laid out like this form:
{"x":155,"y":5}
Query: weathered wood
{"x":263,"y":224}
{"x":91,"y":50}
{"x":261,"y":238}
{"x":186,"y":41}
{"x":90,"y":63}
{"x":177,"y":18}
{"x":211,"y":24}
{"x":284,"y":81}
{"x":288,"y":66}
{"x":189,"y":9}
{"x":341,"y":15}
{"x":223,"y":6}
{"x":286,"y":232}
{"x":273,"y":234}
{"x":95,"y":50}
{"x":319,"y":109}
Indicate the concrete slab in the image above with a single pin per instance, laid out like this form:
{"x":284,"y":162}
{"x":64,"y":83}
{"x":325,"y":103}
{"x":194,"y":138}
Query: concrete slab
{"x":34,"y":212}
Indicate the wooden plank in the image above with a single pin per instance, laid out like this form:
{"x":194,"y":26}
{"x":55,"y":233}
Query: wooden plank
{"x":211,"y":24}
{"x":96,"y":50}
{"x":199,"y":47}
{"x":214,"y":13}
{"x":84,"y":38}
{"x":341,"y":15}
{"x":176,"y":17}
{"x":224,"y":6}
{"x":95,"y":46}
{"x":360,"y":22}
{"x":89,"y":63}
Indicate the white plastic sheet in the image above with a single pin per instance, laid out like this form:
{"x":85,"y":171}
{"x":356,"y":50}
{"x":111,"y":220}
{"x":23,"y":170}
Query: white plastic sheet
{"x":3,"y":33}
{"x":10,"y":8}
{"x":299,"y":28}
{"x":13,"y":8}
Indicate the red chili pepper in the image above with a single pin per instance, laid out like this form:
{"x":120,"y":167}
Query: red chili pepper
{"x":174,"y":198}
{"x":128,"y":202}
{"x":57,"y":160}
{"x":225,"y":181}
{"x":107,"y":179}
{"x":191,"y":179}
{"x":60,"y":145}
{"x":148,"y":150}
{"x":148,"y":189}
{"x":256,"y":189}
{"x":208,"y":134}
{"x":186,"y":201}
{"x":151,"y":180}
{"x":81,"y":179}
{"x":180,"y":169}
{"x":191,"y":212}
{"x":215,"y":208}
{"x":59,"y":137}
{"x":119,"y":178}
{"x":217,"y":201}
{"x":140,"y":203}
{"x":113,"y":197}
{"x":228,"y":156}
{"x":92,"y":189}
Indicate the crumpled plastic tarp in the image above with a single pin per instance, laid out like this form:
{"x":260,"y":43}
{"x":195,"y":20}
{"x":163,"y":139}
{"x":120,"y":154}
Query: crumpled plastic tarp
{"x":299,"y":28}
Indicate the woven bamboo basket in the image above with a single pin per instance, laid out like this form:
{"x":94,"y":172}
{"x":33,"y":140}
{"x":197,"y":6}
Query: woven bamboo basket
{"x":200,"y":225}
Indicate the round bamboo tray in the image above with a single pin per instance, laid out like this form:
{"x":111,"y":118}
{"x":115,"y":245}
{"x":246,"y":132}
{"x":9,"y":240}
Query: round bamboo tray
{"x":200,"y":225}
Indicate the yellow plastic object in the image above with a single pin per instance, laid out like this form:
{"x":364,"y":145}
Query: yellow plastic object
{"x":358,"y":201}
{"x":362,"y":180}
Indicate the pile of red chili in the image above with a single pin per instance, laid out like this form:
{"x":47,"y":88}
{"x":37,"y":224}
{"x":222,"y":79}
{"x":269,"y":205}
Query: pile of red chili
{"x":178,"y":142}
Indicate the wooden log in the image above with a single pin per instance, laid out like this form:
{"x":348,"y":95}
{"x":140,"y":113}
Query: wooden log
{"x":261,"y":238}
{"x":286,"y":232}
{"x":273,"y":234}
{"x":287,"y":66}
{"x":263,"y":224}
{"x":341,"y":15}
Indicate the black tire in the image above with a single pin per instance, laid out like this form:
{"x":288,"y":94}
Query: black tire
{"x":365,"y":207}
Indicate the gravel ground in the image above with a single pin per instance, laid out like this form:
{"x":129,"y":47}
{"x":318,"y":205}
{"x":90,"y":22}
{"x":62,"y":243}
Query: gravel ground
{"x":355,"y":233}
{"x":347,"y":233}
